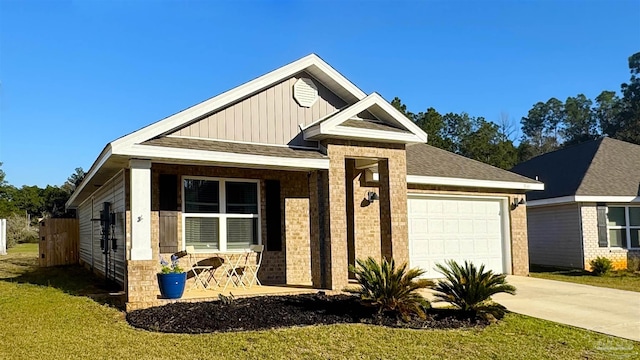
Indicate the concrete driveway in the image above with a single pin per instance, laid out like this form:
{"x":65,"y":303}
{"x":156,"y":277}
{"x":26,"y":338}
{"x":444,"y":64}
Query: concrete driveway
{"x":608,"y":311}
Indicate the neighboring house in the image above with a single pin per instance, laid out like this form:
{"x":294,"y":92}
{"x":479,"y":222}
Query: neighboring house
{"x":304,"y":162}
{"x":590,"y":206}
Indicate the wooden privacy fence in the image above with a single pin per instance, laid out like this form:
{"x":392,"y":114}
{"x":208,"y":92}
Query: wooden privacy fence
{"x":59,"y":240}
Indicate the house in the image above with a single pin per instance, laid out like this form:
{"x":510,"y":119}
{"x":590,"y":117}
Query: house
{"x":304,"y":162}
{"x":590,"y":206}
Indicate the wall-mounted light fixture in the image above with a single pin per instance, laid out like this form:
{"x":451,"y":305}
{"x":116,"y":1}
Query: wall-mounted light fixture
{"x":517,"y":203}
{"x":372,"y":196}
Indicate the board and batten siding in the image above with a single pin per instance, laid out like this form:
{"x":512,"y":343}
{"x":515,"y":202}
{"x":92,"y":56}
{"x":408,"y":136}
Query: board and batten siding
{"x":555,"y":236}
{"x":90,"y":231}
{"x":271,"y":116}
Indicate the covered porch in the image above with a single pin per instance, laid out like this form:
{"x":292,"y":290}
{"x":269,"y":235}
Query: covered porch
{"x":219,"y":209}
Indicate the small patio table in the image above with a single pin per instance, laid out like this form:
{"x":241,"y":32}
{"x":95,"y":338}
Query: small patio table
{"x":232,"y":262}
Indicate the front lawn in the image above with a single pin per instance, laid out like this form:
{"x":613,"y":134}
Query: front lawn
{"x":621,"y":279}
{"x":44,"y":315}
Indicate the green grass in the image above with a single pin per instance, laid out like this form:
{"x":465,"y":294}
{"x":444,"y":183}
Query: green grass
{"x":621,"y":279}
{"x":44,"y":314}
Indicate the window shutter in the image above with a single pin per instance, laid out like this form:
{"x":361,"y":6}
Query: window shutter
{"x":602,"y":226}
{"x":168,"y":184}
{"x":274,"y":215}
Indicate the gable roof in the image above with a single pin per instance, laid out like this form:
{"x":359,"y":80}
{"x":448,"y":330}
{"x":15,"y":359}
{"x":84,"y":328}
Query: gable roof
{"x":427,"y":164}
{"x":311,"y":64}
{"x":599,"y":168}
{"x":394,"y":126}
{"x":115,"y":154}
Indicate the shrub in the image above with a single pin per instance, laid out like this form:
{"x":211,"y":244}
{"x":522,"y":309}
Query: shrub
{"x":391,"y":288}
{"x":633,"y":264}
{"x":19,"y":232}
{"x":470,"y":288}
{"x":600,"y":266}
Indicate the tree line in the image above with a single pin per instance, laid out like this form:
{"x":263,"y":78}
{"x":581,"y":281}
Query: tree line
{"x":23,"y":207}
{"x":37,"y":202}
{"x":548,"y":125}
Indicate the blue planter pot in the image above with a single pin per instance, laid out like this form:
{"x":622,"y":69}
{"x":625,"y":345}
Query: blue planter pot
{"x":172,"y":285}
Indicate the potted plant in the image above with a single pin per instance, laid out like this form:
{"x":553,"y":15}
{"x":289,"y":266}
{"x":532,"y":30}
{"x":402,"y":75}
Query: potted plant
{"x":171,"y":278}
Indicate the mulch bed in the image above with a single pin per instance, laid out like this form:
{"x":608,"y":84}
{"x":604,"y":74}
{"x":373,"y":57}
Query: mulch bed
{"x":269,"y":312}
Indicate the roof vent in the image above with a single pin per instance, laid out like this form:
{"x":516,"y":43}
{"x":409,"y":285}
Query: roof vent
{"x":305,"y":92}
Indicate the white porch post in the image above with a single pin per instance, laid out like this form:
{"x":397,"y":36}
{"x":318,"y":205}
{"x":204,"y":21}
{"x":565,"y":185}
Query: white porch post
{"x":140,"y":195}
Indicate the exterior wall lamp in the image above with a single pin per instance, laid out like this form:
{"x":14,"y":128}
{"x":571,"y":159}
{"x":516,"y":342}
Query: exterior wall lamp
{"x":516,"y":203}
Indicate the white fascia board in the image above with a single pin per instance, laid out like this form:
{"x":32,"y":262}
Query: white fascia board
{"x":368,"y":134}
{"x":490,"y":184}
{"x":365,"y":104}
{"x":607,"y":199}
{"x":583,"y":198}
{"x":104,"y":156}
{"x":234,"y":95}
{"x":349,"y":112}
{"x":330,"y":126}
{"x":551,"y":201}
{"x":160,"y":152}
{"x":398,"y":116}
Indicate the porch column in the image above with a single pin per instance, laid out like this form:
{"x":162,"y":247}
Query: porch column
{"x":140,"y":195}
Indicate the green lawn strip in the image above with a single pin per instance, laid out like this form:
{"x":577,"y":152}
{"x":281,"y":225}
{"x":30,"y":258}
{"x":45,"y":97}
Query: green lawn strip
{"x":29,"y":248}
{"x":38,"y":321}
{"x":622,"y":279}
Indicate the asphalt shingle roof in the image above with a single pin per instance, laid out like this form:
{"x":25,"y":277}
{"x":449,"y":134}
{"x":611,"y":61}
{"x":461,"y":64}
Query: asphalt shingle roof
{"x":236,"y":148}
{"x":427,"y":160}
{"x":603,"y":167}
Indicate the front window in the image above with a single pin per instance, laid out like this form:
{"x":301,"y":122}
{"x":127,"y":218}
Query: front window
{"x":220,"y":214}
{"x":623,"y":223}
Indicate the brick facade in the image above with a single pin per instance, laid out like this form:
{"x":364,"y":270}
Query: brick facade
{"x":326,"y":220}
{"x":392,"y":219}
{"x":289,"y":265}
{"x":620,"y":258}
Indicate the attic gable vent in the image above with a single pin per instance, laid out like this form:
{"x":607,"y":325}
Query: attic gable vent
{"x":305,"y":92}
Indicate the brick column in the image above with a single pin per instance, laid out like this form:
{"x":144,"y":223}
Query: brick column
{"x":519,"y":239}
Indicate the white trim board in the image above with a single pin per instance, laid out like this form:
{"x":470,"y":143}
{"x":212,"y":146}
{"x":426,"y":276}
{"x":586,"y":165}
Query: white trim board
{"x":332,"y":125}
{"x":583,"y":198}
{"x":155,"y":152}
{"x":102,"y":158}
{"x":449,"y":181}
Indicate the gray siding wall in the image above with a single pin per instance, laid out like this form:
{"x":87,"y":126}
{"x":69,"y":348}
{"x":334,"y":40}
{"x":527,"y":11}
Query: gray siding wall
{"x":555,"y":236}
{"x":271,"y":116}
{"x":84,"y":220}
{"x":90,"y":232}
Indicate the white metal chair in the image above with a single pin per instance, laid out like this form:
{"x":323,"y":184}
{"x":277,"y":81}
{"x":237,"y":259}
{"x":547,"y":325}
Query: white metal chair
{"x":199,"y":271}
{"x":252,"y":267}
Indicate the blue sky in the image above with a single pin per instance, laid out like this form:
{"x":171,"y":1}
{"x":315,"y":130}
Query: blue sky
{"x":75,"y":75}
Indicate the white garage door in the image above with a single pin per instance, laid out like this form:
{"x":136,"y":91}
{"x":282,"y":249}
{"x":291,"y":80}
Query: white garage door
{"x":443,"y":228}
